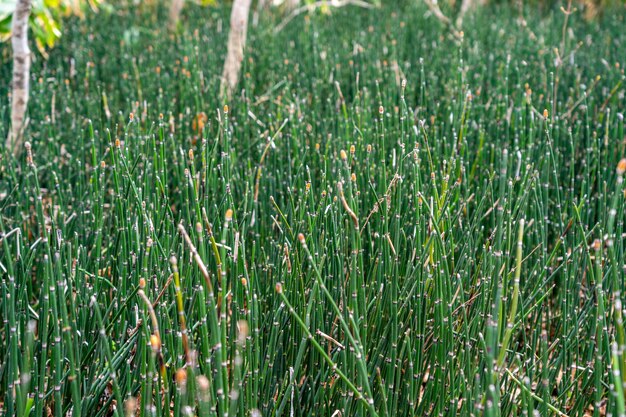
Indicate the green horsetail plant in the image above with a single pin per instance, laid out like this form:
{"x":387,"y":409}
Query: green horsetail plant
{"x":443,"y":245}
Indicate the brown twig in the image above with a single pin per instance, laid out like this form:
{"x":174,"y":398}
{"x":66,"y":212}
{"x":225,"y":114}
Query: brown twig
{"x":436,"y":11}
{"x":196,"y":257}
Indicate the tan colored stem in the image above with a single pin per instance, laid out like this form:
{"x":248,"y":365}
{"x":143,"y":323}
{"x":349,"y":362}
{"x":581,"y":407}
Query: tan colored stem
{"x":346,"y":207}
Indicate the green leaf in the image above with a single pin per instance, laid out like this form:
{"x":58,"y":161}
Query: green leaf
{"x":29,"y":406}
{"x":5,"y":26}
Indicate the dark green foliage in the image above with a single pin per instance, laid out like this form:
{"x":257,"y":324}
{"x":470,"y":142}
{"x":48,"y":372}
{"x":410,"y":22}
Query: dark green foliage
{"x":405,"y":293}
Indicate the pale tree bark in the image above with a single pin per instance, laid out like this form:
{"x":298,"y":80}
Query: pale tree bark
{"x":236,"y":44}
{"x":175,"y":7}
{"x":21,"y":75}
{"x":466,"y":5}
{"x":292,"y":4}
{"x":261,"y":5}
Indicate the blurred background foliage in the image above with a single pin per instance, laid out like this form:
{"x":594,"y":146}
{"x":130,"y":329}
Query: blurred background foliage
{"x":47,"y":15}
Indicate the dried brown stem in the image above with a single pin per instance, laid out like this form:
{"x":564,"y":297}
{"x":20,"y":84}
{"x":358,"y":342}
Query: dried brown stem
{"x":196,"y":257}
{"x":346,"y":207}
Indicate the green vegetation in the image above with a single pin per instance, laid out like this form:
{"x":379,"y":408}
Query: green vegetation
{"x":331,"y":239}
{"x":45,"y":18}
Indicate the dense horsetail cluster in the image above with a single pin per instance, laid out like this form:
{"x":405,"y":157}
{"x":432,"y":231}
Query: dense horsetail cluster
{"x":386,"y":220}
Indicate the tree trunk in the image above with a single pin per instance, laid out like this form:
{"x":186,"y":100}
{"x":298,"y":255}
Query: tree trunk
{"x":466,"y":5}
{"x":236,"y":43}
{"x":260,"y":7}
{"x":292,"y":4}
{"x":21,"y":75}
{"x":175,"y":8}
